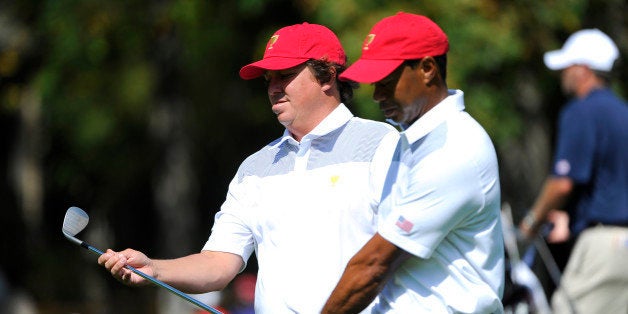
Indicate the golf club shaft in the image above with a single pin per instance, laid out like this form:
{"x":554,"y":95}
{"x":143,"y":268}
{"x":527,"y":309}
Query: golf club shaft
{"x":158,"y":282}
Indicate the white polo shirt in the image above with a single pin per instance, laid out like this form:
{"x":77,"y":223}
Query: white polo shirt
{"x":305,"y":209}
{"x":442,"y":204}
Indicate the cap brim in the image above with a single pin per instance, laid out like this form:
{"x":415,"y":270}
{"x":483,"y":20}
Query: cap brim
{"x":370,"y":71}
{"x":556,"y":60}
{"x":257,"y":69}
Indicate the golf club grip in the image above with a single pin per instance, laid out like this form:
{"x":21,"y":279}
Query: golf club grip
{"x":158,"y":282}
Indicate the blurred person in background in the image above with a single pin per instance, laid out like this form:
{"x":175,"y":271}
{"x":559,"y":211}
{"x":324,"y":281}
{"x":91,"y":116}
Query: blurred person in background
{"x":306,"y":202}
{"x":586,"y":195}
{"x":439,"y":246}
{"x":242,"y":296}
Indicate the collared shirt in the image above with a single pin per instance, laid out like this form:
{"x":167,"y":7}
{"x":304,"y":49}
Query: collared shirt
{"x":306,"y":208}
{"x":592,"y":150}
{"x":442,"y":205}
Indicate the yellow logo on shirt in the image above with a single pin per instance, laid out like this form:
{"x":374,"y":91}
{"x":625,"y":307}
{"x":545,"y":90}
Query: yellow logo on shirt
{"x":334,"y":180}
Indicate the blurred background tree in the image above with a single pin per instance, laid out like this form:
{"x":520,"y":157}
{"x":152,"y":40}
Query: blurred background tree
{"x":134,"y":111}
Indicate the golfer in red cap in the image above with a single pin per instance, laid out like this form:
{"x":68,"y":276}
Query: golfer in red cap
{"x":304,"y":203}
{"x":439,"y":245}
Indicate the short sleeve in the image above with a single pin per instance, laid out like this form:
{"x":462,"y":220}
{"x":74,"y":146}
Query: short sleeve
{"x":230,"y":232}
{"x":575,"y":144}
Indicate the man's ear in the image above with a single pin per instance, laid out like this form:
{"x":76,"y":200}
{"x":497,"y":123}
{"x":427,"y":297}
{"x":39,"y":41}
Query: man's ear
{"x":326,"y":86}
{"x":429,"y":68}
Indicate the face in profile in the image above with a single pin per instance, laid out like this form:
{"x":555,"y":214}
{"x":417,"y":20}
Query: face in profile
{"x":571,"y":77}
{"x":292,"y":93}
{"x":402,"y":95}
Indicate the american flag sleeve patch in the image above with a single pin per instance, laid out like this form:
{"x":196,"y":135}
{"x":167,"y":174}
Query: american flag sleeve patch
{"x":404,"y":224}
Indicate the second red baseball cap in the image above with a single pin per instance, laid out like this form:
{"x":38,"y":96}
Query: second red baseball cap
{"x":393,"y":40}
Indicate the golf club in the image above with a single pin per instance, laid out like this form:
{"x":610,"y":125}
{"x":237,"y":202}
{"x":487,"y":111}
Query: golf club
{"x":76,"y":220}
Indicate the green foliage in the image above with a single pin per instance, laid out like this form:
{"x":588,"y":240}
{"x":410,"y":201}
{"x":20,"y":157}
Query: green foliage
{"x":487,"y":39}
{"x":122,"y":82}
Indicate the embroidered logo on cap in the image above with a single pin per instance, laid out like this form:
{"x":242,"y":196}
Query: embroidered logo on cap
{"x":368,"y":40}
{"x":272,"y":41}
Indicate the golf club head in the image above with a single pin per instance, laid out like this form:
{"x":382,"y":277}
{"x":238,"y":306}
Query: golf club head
{"x":74,"y":222}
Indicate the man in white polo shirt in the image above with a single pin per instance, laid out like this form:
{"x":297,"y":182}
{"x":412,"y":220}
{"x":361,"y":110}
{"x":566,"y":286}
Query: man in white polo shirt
{"x":439,"y":246}
{"x":305,"y":203}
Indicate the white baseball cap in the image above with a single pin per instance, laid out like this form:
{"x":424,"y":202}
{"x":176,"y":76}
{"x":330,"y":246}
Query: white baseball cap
{"x":588,"y":47}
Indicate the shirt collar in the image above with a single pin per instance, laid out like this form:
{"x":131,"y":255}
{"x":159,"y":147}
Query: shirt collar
{"x":337,"y":118}
{"x":437,"y":115}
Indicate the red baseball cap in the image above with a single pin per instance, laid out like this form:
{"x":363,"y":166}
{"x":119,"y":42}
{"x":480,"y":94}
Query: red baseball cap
{"x":393,"y":40}
{"x":295,"y":44}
